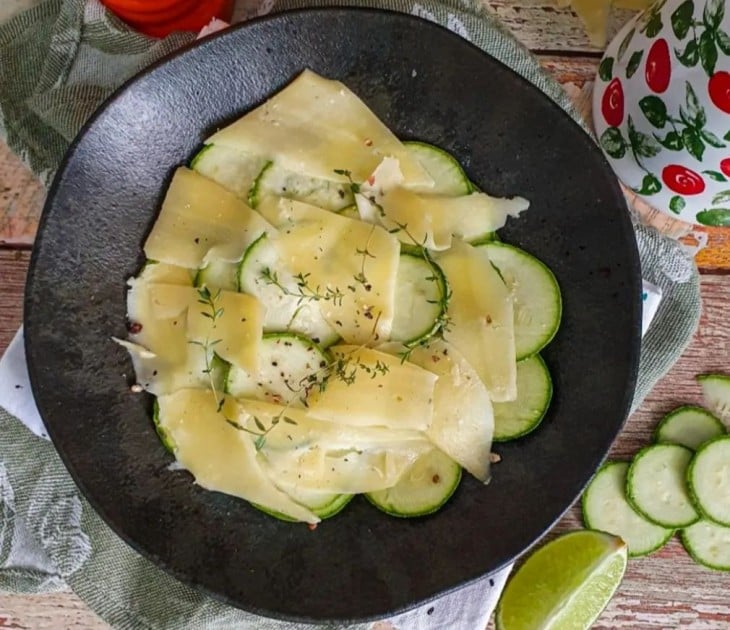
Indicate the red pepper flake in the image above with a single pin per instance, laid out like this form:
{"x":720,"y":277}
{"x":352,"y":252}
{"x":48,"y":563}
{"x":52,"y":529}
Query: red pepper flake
{"x":368,"y":142}
{"x":371,"y":180}
{"x":134,"y":328}
{"x":312,"y":526}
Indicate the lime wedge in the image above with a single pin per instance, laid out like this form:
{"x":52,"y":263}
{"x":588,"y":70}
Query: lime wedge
{"x":564,"y":584}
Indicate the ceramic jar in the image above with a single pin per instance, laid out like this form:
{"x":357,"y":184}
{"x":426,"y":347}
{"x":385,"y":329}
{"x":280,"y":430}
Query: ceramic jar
{"x":661,"y":108}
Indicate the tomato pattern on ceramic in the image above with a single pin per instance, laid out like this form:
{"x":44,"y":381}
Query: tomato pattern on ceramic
{"x":702,"y":43}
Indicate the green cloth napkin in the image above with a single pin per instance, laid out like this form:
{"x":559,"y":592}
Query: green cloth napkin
{"x":58,"y":62}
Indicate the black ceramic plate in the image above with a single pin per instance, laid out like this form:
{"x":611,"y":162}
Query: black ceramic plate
{"x":425,"y":83}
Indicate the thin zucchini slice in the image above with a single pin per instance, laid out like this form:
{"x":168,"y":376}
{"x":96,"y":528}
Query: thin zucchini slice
{"x":160,"y":430}
{"x":323,"y":505}
{"x":218,"y":274}
{"x":709,"y":480}
{"x":689,"y":426}
{"x":287,"y":363}
{"x":537,"y":302}
{"x":421,"y":298}
{"x":606,"y":508}
{"x":656,"y":485}
{"x":233,"y":169}
{"x":709,"y":544}
{"x":534,"y":393}
{"x":448,"y":175}
{"x":716,"y":391}
{"x":285,"y":311}
{"x":274,"y":181}
{"x":423,"y":489}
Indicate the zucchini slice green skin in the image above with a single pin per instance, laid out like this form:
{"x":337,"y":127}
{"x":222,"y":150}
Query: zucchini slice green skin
{"x":709,"y":544}
{"x":287,"y":359}
{"x":656,"y":485}
{"x":448,"y":175}
{"x":606,"y":508}
{"x":709,"y":485}
{"x":716,"y":392}
{"x":161,"y":433}
{"x":421,"y":298}
{"x":516,"y":419}
{"x":338,"y":503}
{"x":538,"y":302}
{"x":218,"y":275}
{"x":422,"y":490}
{"x":688,"y":426}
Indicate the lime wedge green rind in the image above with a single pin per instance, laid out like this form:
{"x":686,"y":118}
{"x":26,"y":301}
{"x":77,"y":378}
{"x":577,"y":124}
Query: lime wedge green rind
{"x":564,"y":584}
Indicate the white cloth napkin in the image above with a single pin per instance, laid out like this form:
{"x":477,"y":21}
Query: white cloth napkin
{"x":469,"y":607}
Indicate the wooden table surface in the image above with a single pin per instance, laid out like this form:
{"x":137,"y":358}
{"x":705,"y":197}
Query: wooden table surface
{"x":665,"y":590}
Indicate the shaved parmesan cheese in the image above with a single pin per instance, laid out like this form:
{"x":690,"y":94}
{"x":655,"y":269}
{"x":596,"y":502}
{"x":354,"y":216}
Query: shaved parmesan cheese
{"x":201,"y":220}
{"x":302,"y":453}
{"x":236,"y":332}
{"x":463,"y":420}
{"x":219,"y":456}
{"x":371,"y":388}
{"x":351,"y":263}
{"x":316,"y":127}
{"x":481,"y":324}
{"x":157,"y":272}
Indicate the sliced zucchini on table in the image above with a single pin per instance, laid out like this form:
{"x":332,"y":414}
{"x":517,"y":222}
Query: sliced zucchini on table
{"x":537,"y":300}
{"x":716,"y":392}
{"x":534,"y":392}
{"x":606,"y":508}
{"x":423,"y":488}
{"x":421,"y":297}
{"x":709,"y":480}
{"x":709,"y":544}
{"x":688,"y":426}
{"x":656,"y":485}
{"x":274,"y":181}
{"x":448,"y":175}
{"x":287,"y":364}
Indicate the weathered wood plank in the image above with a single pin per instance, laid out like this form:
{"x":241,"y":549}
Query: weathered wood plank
{"x":543,"y":26}
{"x":21,"y":200}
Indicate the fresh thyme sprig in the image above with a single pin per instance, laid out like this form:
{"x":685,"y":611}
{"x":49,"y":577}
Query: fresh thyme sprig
{"x":304,"y":291}
{"x":360,"y":277}
{"x":214,"y":313}
{"x":354,"y":186}
{"x":262,"y":431}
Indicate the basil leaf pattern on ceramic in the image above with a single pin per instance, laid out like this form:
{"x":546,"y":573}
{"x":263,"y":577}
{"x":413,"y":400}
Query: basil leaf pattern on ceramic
{"x":695,"y":111}
{"x":613,"y":143}
{"x":634,"y":62}
{"x":682,"y":19}
{"x":690,"y":55}
{"x":721,"y":198}
{"x":642,"y":144}
{"x":655,"y":110}
{"x":650,"y":185}
{"x":605,"y":70}
{"x":672,"y":141}
{"x":711,"y":139}
{"x":717,"y":217}
{"x":676,"y":204}
{"x":718,"y":177}
{"x":713,"y":13}
{"x":708,"y":52}
{"x":693,"y":142}
{"x":723,"y":41}
{"x":625,"y":44}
